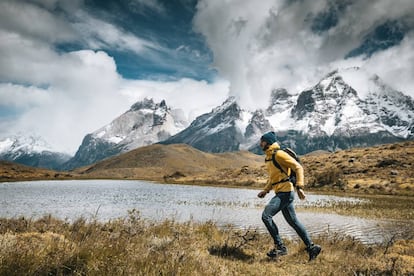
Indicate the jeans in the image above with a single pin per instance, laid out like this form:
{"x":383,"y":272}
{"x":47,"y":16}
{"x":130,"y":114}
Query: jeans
{"x":283,"y":201}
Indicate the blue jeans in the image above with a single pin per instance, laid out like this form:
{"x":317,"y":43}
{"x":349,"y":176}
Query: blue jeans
{"x":283,"y":201}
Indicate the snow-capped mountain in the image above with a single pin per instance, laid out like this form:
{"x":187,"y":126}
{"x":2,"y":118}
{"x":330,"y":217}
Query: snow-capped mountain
{"x":330,"y":115}
{"x":217,"y":131}
{"x":145,"y":123}
{"x":31,"y":151}
{"x":334,"y":108}
{"x":347,"y":108}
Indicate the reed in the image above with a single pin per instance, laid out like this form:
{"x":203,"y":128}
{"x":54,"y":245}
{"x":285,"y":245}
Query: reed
{"x":135,"y":246}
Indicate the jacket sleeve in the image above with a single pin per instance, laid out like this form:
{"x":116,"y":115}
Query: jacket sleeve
{"x":287,"y":161}
{"x":268,"y":186}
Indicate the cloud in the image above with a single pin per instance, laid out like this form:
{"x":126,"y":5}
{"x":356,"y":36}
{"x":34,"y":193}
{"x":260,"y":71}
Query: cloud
{"x":140,"y":6}
{"x":34,"y":22}
{"x":81,"y":94}
{"x":89,"y":94}
{"x":108,"y":36}
{"x":192,"y":96}
{"x":260,"y":47}
{"x":62,"y":96}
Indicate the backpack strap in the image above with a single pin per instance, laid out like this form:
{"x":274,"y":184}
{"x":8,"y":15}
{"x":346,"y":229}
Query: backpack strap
{"x":277,"y":164}
{"x":281,"y":181}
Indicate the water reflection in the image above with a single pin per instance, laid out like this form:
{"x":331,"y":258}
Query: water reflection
{"x":109,"y":199}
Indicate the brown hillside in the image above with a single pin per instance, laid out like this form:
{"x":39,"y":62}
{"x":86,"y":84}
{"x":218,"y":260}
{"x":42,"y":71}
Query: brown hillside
{"x":385,"y":169}
{"x":170,"y":163}
{"x":10,"y":171}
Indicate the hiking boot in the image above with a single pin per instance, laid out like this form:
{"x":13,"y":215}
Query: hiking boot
{"x":313,"y":251}
{"x":277,"y":251}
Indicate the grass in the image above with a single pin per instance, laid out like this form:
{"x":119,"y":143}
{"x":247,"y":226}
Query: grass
{"x":134,"y":246}
{"x":371,"y":206}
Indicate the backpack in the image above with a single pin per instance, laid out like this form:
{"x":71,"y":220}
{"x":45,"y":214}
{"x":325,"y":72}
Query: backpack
{"x":292,"y":176}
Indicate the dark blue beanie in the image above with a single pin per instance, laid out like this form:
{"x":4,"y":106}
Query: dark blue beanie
{"x":269,"y":137}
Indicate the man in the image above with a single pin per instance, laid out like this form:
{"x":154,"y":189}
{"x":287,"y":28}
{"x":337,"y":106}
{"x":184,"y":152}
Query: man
{"x":280,"y":183}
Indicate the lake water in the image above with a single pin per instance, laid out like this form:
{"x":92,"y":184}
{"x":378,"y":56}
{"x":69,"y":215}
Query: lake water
{"x":109,"y":199}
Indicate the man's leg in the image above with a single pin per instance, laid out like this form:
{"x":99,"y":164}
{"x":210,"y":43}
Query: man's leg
{"x":290,"y":216}
{"x":271,"y":209}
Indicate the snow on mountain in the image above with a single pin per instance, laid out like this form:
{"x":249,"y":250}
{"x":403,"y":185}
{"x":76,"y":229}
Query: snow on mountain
{"x":145,"y":123}
{"x":32,"y":151}
{"x":27,"y":144}
{"x":334,"y":108}
{"x":330,"y":115}
{"x":395,"y":110}
{"x":346,"y":108}
{"x":217,"y":131}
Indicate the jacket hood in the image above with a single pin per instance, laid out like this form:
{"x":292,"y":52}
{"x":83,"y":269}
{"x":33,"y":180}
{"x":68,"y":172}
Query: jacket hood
{"x":272,"y":148}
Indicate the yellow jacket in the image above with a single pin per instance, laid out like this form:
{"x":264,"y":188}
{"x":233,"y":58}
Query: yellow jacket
{"x":287,"y":163}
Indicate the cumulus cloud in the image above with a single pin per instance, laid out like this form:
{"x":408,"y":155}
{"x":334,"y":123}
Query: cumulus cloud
{"x":62,"y":96}
{"x":79,"y":96}
{"x":259,"y":47}
{"x":30,"y":20}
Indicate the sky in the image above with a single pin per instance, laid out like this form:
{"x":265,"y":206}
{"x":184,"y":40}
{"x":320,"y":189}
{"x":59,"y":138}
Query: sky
{"x":69,"y":67}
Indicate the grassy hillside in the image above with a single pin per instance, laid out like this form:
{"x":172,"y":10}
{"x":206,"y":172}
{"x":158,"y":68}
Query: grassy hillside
{"x":10,"y":171}
{"x":169,"y":163}
{"x":384,"y":169}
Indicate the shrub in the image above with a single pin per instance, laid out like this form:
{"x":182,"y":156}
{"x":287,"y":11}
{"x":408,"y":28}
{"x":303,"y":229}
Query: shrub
{"x":330,"y":176}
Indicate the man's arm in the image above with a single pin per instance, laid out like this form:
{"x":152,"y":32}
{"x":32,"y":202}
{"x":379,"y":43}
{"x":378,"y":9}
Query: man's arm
{"x":266,"y":190}
{"x":288,"y":161}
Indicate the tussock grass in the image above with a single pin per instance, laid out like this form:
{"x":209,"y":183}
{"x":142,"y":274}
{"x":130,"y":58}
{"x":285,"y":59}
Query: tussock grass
{"x":372,"y":206}
{"x":134,"y":246}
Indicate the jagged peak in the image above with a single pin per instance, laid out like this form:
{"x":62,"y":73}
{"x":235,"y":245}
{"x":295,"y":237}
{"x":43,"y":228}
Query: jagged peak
{"x":230,"y":101}
{"x":29,"y":143}
{"x":149,"y":103}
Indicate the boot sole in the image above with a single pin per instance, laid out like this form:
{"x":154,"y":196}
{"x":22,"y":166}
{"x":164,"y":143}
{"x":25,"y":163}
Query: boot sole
{"x":318,"y":251}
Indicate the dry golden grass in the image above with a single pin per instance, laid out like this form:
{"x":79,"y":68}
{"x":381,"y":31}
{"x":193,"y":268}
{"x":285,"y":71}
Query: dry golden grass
{"x":383,"y":169}
{"x":133,"y":246}
{"x":10,"y":171}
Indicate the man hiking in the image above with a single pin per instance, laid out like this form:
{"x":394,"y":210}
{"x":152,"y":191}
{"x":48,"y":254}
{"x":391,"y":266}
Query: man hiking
{"x":280,"y":183}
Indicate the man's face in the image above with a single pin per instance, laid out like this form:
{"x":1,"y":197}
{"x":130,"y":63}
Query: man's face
{"x":264,"y":145}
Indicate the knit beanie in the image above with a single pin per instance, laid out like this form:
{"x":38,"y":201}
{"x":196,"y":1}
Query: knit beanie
{"x":269,"y":137}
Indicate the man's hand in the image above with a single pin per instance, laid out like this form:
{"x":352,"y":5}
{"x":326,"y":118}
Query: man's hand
{"x":301,"y":194}
{"x":262,"y":194}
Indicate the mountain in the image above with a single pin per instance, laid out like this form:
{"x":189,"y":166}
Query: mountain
{"x":31,"y":151}
{"x":145,"y":123}
{"x":217,"y":131}
{"x":331,"y":115}
{"x":346,"y":108}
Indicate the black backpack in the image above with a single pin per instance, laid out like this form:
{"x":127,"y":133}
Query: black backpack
{"x":292,"y":176}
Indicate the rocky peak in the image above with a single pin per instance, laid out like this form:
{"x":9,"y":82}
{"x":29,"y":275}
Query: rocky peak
{"x":280,"y":100}
{"x":258,"y":124}
{"x":395,"y":110}
{"x":326,"y":97}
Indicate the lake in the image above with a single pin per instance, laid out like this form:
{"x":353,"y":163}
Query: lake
{"x":241,"y":208}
